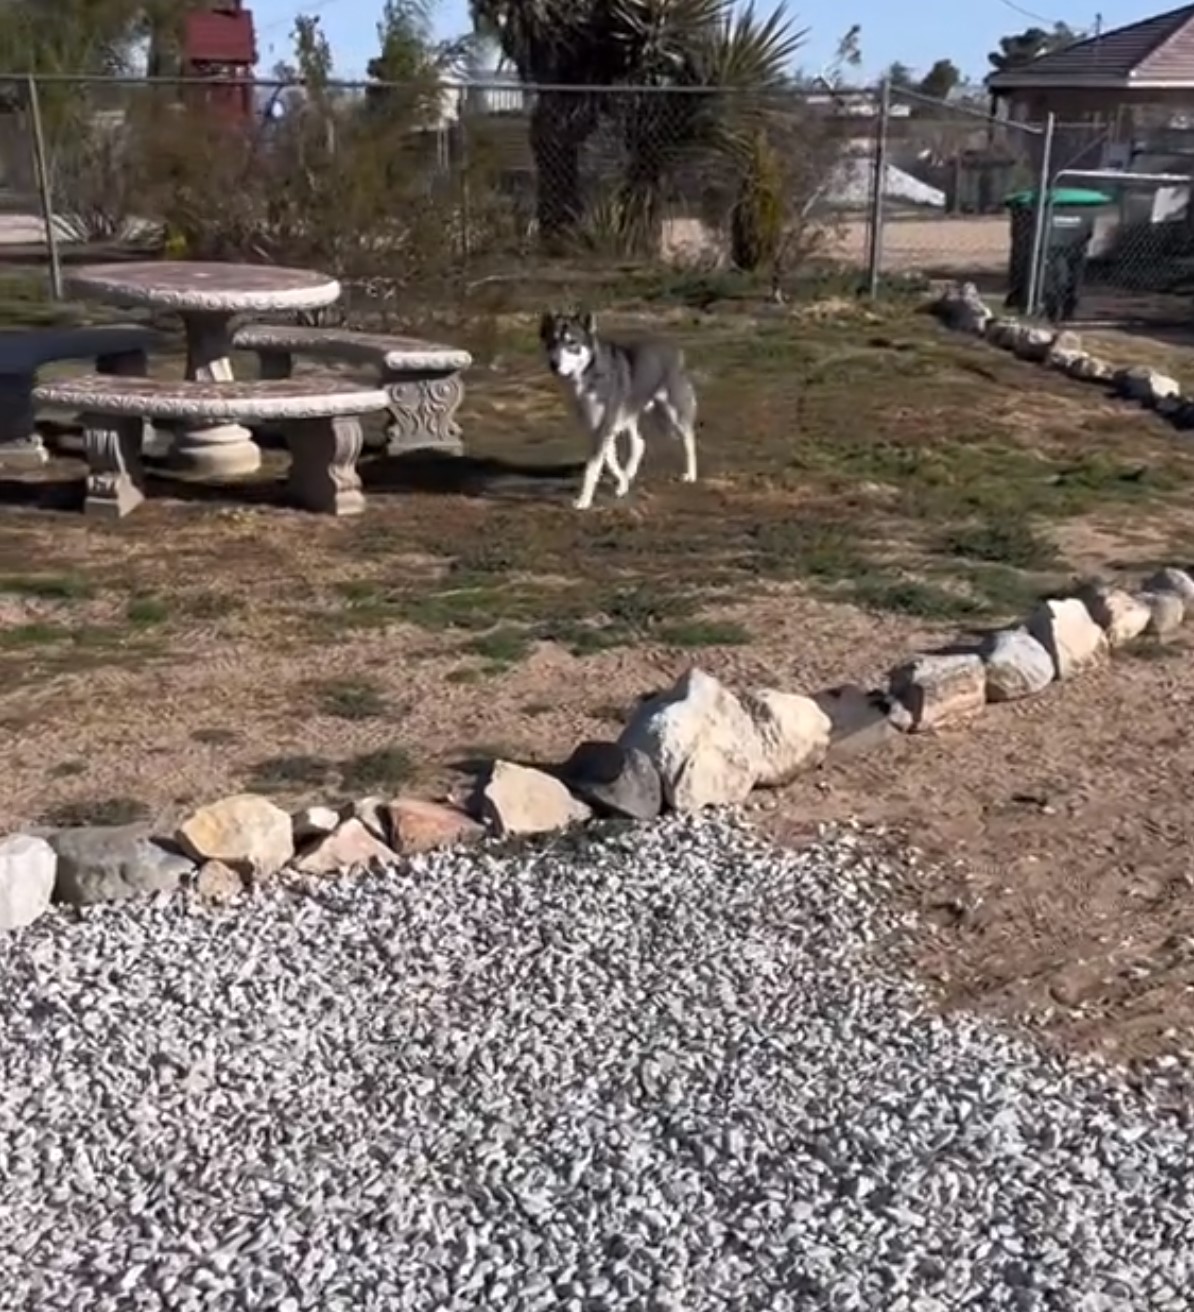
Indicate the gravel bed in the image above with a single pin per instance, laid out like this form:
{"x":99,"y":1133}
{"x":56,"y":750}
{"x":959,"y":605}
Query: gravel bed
{"x":663,"y":1069}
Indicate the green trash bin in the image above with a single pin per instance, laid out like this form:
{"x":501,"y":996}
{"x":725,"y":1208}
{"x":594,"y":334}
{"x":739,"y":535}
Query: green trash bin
{"x":1064,"y":250}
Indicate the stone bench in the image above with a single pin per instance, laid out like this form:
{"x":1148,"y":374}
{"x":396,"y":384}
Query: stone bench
{"x":119,"y":349}
{"x":320,"y":418}
{"x":422,"y":378}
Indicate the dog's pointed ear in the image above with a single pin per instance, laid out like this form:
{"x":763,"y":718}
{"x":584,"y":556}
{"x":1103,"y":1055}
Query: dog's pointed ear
{"x":588,"y":321}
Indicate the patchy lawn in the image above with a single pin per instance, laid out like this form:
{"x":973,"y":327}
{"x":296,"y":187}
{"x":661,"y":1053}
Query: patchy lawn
{"x":866,"y":479}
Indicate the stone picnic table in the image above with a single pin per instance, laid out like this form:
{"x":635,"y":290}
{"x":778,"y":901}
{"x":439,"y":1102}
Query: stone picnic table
{"x":207,"y":297}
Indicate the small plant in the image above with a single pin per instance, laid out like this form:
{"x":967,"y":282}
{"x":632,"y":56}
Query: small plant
{"x":145,"y":612}
{"x":101,"y":811}
{"x":48,"y":587}
{"x":32,"y":635}
{"x":351,"y":699}
{"x":1007,"y":542}
{"x":704,"y":633}
{"x":757,"y":220}
{"x":215,"y":736}
{"x":505,"y":646}
{"x":278,"y":773}
{"x":388,"y":768}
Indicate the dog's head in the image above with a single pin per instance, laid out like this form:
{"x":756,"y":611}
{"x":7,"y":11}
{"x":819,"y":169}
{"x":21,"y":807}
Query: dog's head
{"x":569,"y":341}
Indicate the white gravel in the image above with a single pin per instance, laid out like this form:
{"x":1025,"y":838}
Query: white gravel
{"x":662,"y":1069}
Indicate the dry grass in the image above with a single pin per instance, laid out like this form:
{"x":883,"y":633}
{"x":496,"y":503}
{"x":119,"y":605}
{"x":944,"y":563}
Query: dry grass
{"x":851,"y":460}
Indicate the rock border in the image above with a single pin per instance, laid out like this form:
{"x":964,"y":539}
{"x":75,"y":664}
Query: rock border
{"x":961,"y":308}
{"x":693,"y":745}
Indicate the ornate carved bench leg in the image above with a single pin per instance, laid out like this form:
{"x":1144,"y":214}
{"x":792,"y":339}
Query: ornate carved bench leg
{"x":20,"y":444}
{"x":135,"y":364}
{"x":115,"y":483}
{"x":423,"y":414}
{"x":323,"y":465}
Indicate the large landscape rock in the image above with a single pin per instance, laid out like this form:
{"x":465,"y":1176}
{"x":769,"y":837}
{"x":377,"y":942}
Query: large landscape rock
{"x":27,"y":871}
{"x":107,"y":863}
{"x":519,"y":800}
{"x":940,"y":689}
{"x":791,"y":731}
{"x":1122,"y":617}
{"x":1087,"y":368}
{"x":614,"y":780}
{"x":247,"y":832}
{"x":419,"y":826}
{"x":1172,"y":580}
{"x":352,"y":846}
{"x":701,"y":740}
{"x":1066,"y":631}
{"x":1166,"y":614}
{"x":963,"y":309}
{"x":860,"y":719}
{"x":1016,"y":665}
{"x":1148,"y":386}
{"x":1033,"y":343}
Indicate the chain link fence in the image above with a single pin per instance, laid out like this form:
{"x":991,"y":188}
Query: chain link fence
{"x":437,"y":189}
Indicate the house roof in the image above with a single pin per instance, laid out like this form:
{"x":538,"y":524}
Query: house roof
{"x":1157,"y":53}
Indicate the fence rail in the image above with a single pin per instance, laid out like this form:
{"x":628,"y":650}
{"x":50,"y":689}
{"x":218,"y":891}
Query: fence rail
{"x":421,"y":187}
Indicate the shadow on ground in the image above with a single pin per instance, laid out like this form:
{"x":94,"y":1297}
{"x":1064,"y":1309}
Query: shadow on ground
{"x":60,"y":486}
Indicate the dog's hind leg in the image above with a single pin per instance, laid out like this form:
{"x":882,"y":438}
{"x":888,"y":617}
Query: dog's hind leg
{"x":680,"y":417}
{"x":635,"y":457}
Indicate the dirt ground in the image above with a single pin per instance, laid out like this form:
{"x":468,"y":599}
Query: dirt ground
{"x":969,"y":244}
{"x":870,"y":487}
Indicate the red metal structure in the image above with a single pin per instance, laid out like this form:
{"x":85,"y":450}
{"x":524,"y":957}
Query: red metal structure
{"x":218,"y":41}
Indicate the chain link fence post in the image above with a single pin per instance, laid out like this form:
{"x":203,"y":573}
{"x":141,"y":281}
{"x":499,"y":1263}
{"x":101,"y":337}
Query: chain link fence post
{"x":878,"y":183}
{"x":41,"y":168}
{"x":1041,"y":219}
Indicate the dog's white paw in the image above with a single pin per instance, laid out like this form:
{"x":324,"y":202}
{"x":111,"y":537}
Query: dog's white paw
{"x":687,"y":477}
{"x":623,"y":490}
{"x":581,"y":504}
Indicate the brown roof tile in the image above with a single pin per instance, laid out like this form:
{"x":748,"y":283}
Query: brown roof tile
{"x":1155,"y":49}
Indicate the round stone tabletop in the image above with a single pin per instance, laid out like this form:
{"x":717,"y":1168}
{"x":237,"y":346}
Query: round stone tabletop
{"x":194,"y":286}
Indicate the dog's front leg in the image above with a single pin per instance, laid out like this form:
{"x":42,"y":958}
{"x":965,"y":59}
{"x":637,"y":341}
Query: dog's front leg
{"x":605,"y":452}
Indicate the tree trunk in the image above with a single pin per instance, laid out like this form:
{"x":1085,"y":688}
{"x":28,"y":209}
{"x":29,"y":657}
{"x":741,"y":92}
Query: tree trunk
{"x":560,"y":125}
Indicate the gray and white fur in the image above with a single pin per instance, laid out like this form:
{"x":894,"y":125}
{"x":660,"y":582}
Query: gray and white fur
{"x":613,"y":387}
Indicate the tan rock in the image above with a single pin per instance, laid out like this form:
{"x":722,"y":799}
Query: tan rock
{"x":1122,"y":617}
{"x":519,"y":800}
{"x":1066,"y":631}
{"x":349,"y":848}
{"x":420,"y":826}
{"x":1166,"y":614}
{"x":247,"y":832}
{"x":217,"y":882}
{"x":938,"y":690}
{"x":792,"y":732}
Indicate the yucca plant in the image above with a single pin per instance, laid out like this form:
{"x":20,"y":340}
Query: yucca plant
{"x":757,"y":219}
{"x":706,"y":67}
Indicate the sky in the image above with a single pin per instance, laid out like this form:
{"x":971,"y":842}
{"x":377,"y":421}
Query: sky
{"x":915,"y":33}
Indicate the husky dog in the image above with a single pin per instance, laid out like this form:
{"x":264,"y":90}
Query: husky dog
{"x":614,"y":386}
